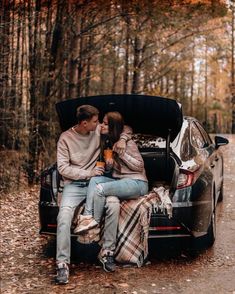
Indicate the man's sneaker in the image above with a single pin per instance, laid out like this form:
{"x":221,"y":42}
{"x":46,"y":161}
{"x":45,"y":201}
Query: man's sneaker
{"x":62,"y":276}
{"x":85,"y":225}
{"x":107,"y":261}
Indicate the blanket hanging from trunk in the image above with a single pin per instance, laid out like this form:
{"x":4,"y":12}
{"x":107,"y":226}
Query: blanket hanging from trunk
{"x":133,"y":228}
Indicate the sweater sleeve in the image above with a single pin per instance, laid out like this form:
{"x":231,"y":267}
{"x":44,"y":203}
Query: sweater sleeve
{"x":127,"y":133}
{"x":65,"y":168}
{"x":132,"y":157}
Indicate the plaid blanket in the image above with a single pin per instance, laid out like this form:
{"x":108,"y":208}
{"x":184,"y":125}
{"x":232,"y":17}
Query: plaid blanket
{"x":132,"y":236}
{"x":133,"y":227}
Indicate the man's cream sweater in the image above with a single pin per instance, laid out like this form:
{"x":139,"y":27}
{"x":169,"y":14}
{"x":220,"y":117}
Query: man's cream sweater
{"x":77,"y":154}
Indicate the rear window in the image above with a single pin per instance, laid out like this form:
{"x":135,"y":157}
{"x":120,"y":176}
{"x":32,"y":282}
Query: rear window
{"x":199,"y":139}
{"x":187,"y":151}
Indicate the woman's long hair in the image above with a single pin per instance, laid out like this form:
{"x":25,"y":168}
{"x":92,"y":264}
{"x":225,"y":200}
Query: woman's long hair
{"x":116,"y":124}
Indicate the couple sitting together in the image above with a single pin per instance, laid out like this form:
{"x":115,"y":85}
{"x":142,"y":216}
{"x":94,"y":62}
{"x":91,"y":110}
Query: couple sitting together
{"x":121,"y":178}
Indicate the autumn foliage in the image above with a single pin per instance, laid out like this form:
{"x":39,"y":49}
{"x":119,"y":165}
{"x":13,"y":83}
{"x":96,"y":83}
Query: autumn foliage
{"x":56,"y":50}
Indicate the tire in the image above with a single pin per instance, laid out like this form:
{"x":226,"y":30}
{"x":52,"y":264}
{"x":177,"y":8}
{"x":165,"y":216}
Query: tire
{"x":221,"y":192}
{"x":211,"y":233}
{"x":208,"y":240}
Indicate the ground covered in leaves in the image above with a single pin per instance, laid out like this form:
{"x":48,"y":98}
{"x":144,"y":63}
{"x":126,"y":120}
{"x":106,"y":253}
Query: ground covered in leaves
{"x":28,"y":259}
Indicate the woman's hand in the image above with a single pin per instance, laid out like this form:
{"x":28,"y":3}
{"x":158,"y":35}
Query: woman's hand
{"x":120,"y":147}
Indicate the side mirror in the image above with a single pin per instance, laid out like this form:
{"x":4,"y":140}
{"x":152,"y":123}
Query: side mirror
{"x":220,"y":141}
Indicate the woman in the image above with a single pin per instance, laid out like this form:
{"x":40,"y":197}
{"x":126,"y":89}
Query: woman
{"x":127,"y":181}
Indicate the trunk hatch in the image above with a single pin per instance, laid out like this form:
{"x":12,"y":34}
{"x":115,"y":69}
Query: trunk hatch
{"x":145,"y":114}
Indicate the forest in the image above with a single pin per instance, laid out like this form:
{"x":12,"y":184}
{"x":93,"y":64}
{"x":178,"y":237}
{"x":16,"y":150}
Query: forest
{"x":52,"y":50}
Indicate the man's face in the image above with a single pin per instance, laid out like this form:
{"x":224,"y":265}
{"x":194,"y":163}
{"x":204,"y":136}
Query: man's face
{"x":91,"y":124}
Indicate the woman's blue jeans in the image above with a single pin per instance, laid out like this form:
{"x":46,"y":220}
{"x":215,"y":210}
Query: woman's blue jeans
{"x":101,"y":187}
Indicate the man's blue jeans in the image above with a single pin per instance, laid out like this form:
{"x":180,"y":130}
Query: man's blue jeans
{"x":73,"y":194}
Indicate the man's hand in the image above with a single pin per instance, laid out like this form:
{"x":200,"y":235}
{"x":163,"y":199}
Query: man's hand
{"x":97,"y":171}
{"x":120,"y":147}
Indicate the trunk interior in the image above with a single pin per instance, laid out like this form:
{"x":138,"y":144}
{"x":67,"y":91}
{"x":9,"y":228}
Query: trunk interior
{"x":160,"y":171}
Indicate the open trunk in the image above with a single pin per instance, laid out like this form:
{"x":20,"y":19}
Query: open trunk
{"x":153,"y":115}
{"x":160,"y":118}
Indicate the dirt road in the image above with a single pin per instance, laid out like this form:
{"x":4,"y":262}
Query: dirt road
{"x":28,"y":264}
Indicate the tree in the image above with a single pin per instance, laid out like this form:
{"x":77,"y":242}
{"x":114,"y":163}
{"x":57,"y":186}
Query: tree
{"x":232,"y":6}
{"x":56,"y":50}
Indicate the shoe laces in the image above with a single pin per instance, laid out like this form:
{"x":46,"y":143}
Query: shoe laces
{"x":62,"y":269}
{"x":109,"y":258}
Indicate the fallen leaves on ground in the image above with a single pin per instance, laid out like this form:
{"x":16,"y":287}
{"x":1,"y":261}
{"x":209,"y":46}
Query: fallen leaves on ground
{"x":20,"y":243}
{"x":28,"y":259}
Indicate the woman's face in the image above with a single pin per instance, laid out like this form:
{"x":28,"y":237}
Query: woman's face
{"x":104,"y":130}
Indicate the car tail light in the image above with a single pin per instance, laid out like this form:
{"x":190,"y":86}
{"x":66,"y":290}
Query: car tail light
{"x":165,"y":228}
{"x":185,"y":179}
{"x":51,"y":225}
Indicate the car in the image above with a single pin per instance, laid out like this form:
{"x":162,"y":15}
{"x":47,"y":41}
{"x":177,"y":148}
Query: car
{"x":178,"y":154}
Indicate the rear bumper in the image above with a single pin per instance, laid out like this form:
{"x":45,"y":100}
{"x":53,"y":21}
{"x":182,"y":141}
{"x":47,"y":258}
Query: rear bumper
{"x":185,"y":222}
{"x":48,"y":218}
{"x":163,"y":227}
{"x":189,"y":219}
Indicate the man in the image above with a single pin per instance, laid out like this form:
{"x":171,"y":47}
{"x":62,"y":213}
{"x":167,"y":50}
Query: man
{"x":77,"y":152}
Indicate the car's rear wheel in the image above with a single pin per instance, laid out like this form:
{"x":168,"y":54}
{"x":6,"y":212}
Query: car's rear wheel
{"x":221,"y":192}
{"x":211,"y":233}
{"x":207,"y":240}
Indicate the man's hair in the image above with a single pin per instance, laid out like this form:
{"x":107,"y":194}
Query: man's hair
{"x":86,"y":112}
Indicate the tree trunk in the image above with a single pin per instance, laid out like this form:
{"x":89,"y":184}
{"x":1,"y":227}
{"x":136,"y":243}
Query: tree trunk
{"x":88,"y":67}
{"x":175,"y":85}
{"x":126,"y":66}
{"x":136,"y":65}
{"x":73,"y":74}
{"x":233,"y":66}
{"x":33,"y":131}
{"x":80,"y":61}
{"x":101,"y":90}
{"x":192,"y":82}
{"x":4,"y":69}
{"x":206,"y":87}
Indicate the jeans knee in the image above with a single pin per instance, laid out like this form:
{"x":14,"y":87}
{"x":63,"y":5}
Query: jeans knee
{"x":100,"y":190}
{"x":92,"y":181}
{"x":65,"y":214}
